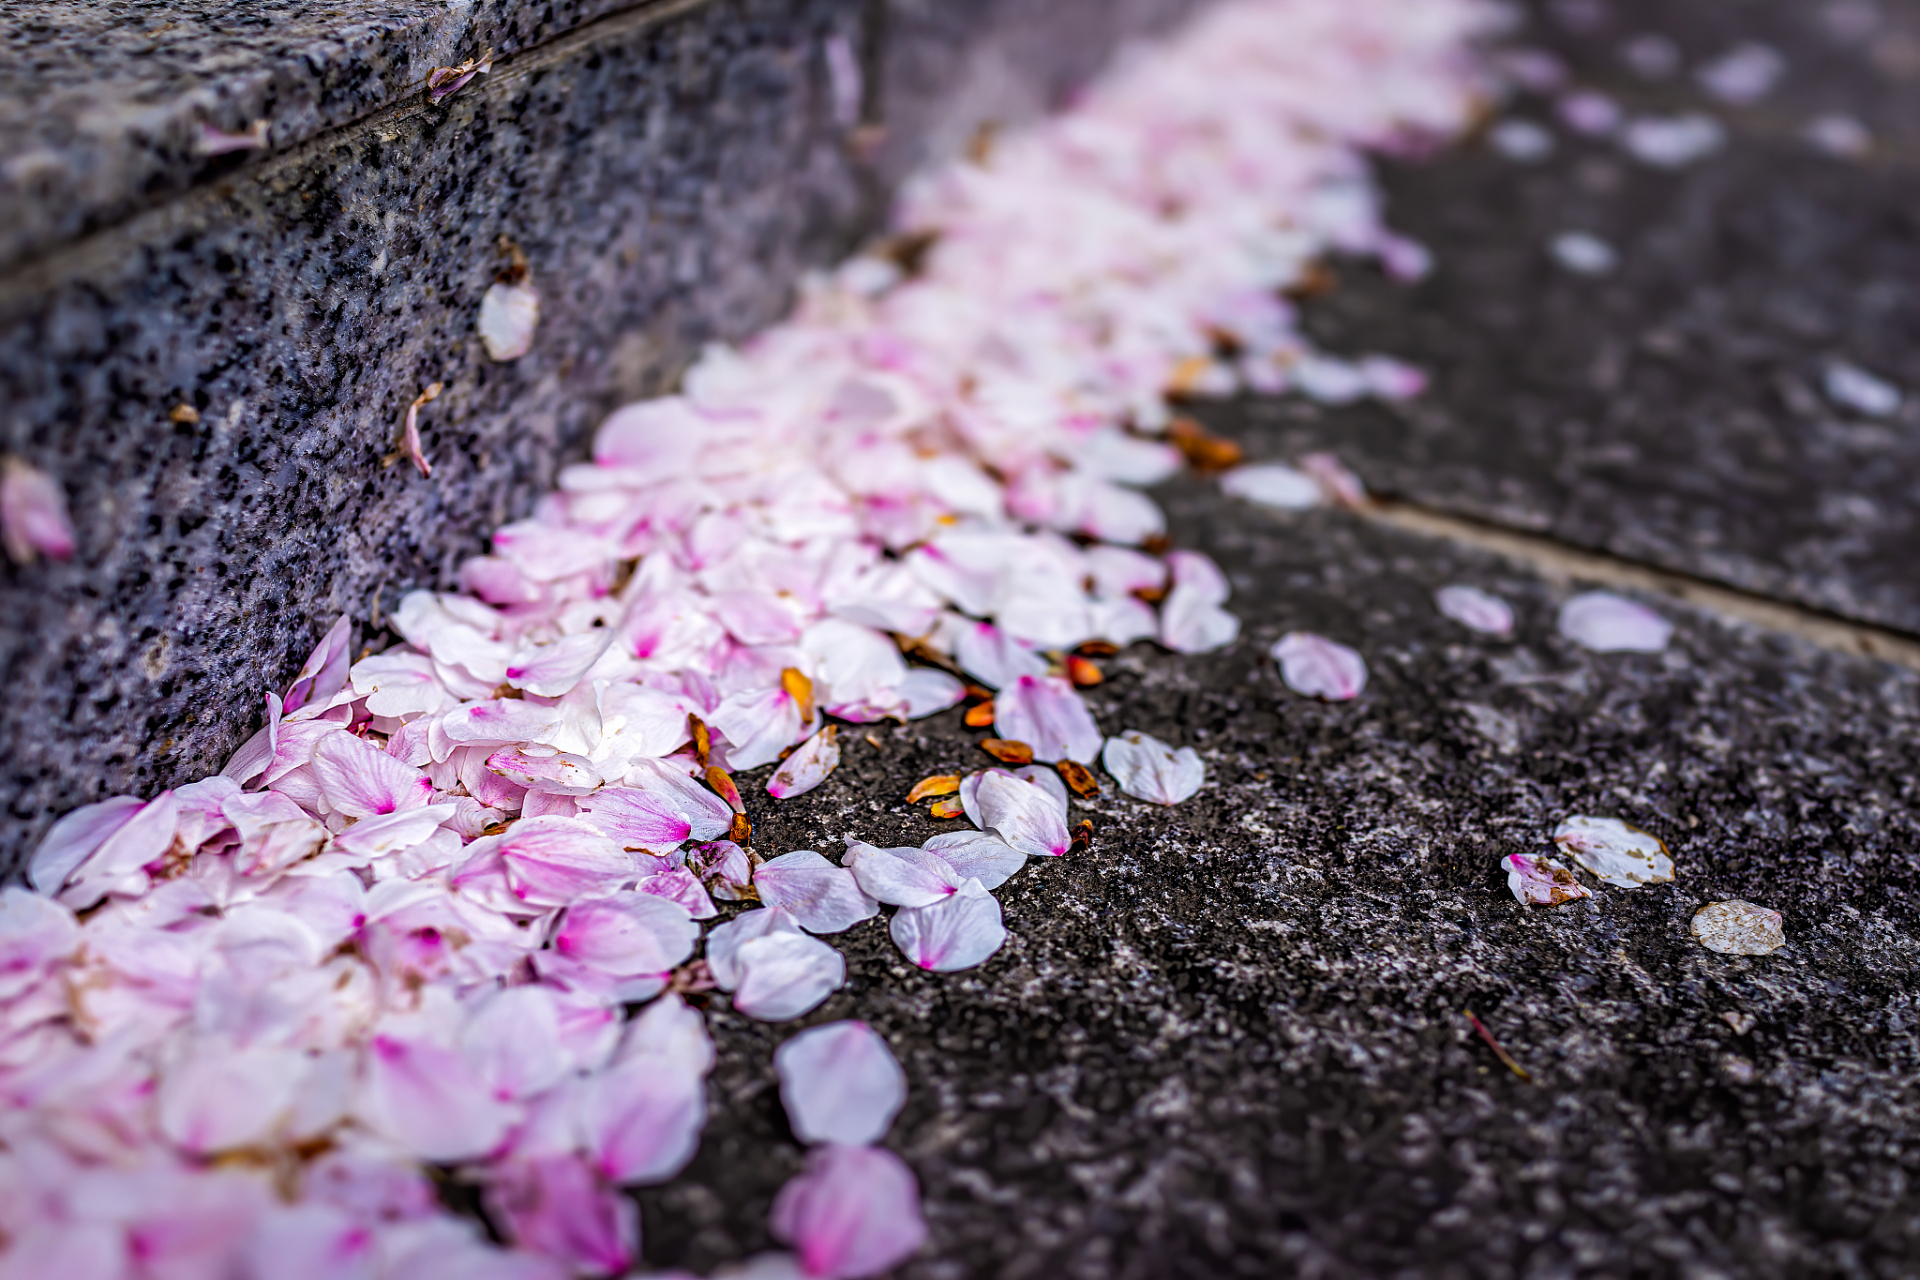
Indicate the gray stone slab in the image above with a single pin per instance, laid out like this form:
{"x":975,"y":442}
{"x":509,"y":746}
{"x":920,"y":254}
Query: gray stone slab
{"x":1673,"y":410}
{"x":669,"y":171}
{"x":1228,"y":1041}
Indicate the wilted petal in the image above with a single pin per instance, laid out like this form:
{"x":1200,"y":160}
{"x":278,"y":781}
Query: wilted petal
{"x":1541,"y":881}
{"x":758,"y":725}
{"x":1736,"y":928}
{"x":1148,"y":769}
{"x":822,"y":897}
{"x":808,"y":766}
{"x":558,"y":772}
{"x":1615,"y":852}
{"x":978,"y":855}
{"x":1607,"y":623}
{"x":1320,"y":668}
{"x":785,"y":975}
{"x":1273,"y":485}
{"x":903,"y":877}
{"x":840,"y":1083}
{"x":1047,"y":714}
{"x":1027,"y":816}
{"x":855,"y":1212}
{"x":1476,"y":609}
{"x":508,"y":314}
{"x":958,"y":932}
{"x":325,"y":671}
{"x":33,"y":514}
{"x":559,"y":1208}
{"x":360,"y":780}
{"x":723,"y":867}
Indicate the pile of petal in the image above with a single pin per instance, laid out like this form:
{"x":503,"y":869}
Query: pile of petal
{"x":410,"y":923}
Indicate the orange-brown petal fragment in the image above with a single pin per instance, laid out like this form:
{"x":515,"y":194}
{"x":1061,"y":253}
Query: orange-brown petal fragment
{"x":948,"y":808}
{"x":722,"y":783}
{"x":1187,"y":374}
{"x":702,"y":738}
{"x":1204,"y":451}
{"x":980,"y":716}
{"x":980,"y":693}
{"x":741,"y":831}
{"x":1097,"y":648}
{"x":1082,"y":672}
{"x":800,"y":689}
{"x":1082,"y":836}
{"x":939,"y":784}
{"x":1007,"y":751}
{"x":1079,"y":778}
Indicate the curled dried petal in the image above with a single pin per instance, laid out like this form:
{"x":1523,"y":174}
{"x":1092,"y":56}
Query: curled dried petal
{"x":980,"y":715}
{"x":1078,"y":778}
{"x":948,"y":808}
{"x":722,"y":783}
{"x":1007,"y":751}
{"x":807,"y":767}
{"x":938,"y":784}
{"x":1541,"y":881}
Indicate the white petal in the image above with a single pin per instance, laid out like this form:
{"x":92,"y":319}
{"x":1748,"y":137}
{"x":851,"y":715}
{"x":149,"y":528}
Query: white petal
{"x":1615,"y":852}
{"x":903,"y":877}
{"x":1606,"y":623}
{"x":958,"y":932}
{"x":822,"y":897}
{"x":1319,"y":667}
{"x":1026,"y":814}
{"x":808,"y":766}
{"x":1475,"y":609}
{"x":1736,"y":928}
{"x":1273,"y":484}
{"x":1148,"y":769}
{"x":508,"y":314}
{"x":978,"y":855}
{"x":840,"y":1083}
{"x":786,"y":975}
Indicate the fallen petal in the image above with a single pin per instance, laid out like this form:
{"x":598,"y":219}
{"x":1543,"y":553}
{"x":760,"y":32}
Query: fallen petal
{"x":508,"y":314}
{"x":1736,"y":928}
{"x":958,"y":932}
{"x":822,"y":897}
{"x":33,"y":514}
{"x":904,"y":877}
{"x":1273,"y":484}
{"x":1320,"y":668}
{"x":1148,"y":769}
{"x":1475,"y":609}
{"x":1541,"y":881}
{"x":1615,"y":852}
{"x":786,"y":975}
{"x":1050,"y":716}
{"x":855,"y":1212}
{"x":807,"y":767}
{"x":1607,"y":623}
{"x":840,"y":1083}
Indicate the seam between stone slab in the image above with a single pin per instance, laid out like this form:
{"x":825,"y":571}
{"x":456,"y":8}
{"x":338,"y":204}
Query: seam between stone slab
{"x":1560,"y":562}
{"x":26,"y":281}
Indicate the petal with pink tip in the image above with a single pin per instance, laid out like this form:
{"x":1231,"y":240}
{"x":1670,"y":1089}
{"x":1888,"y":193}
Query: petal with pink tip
{"x":993,"y":657}
{"x":361,"y":781}
{"x":325,"y":671}
{"x":904,"y":877}
{"x":840,"y":1083}
{"x":34,"y":934}
{"x":627,"y":935}
{"x":822,"y":897}
{"x":550,"y":862}
{"x":558,"y":1208}
{"x":428,"y":1099}
{"x":1047,"y":714}
{"x":33,"y":514}
{"x":550,"y":670}
{"x":808,"y":766}
{"x":978,"y":855}
{"x":1475,"y":609}
{"x":557,"y":772}
{"x":1027,"y":816}
{"x":1320,"y":668}
{"x":958,"y":932}
{"x":640,"y":1118}
{"x":1541,"y":881}
{"x":855,"y":1212}
{"x":377,"y":837}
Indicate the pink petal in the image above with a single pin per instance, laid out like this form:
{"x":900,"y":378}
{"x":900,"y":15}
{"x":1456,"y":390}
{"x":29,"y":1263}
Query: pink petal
{"x":34,"y":934}
{"x":679,"y":885}
{"x":377,"y":837}
{"x":903,"y":877}
{"x":550,"y":670}
{"x":978,"y":855}
{"x":33,"y":514}
{"x":1148,"y":769}
{"x":628,"y":935}
{"x":928,"y":691}
{"x":1618,"y":854}
{"x":429,"y":1099}
{"x":659,"y":437}
{"x":513,"y":1041}
{"x":822,"y":897}
{"x":117,"y":862}
{"x":994,"y":658}
{"x":840,"y":1083}
{"x":550,"y":862}
{"x":640,"y":1118}
{"x":1341,"y":486}
{"x":410,"y":432}
{"x":325,"y":671}
{"x":646,"y":819}
{"x":218,"y":1096}
{"x":75,"y":837}
{"x":500,"y":722}
{"x":785,"y":975}
{"x":725,"y":940}
{"x":1318,"y":667}
{"x":1541,"y":881}
{"x":807,"y":767}
{"x":1047,"y":714}
{"x":1273,"y":485}
{"x":360,"y":780}
{"x":1607,"y":623}
{"x":559,"y":1208}
{"x":1027,"y":816}
{"x":1191,"y":619}
{"x":723,"y":867}
{"x":957,"y":932}
{"x":758,"y":725}
{"x":855,"y":1212}
{"x":1475,"y":609}
{"x":553,"y":771}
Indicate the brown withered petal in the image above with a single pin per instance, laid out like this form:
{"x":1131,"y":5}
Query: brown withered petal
{"x":741,"y":831}
{"x":980,"y":715}
{"x":980,"y":693}
{"x":948,"y":808}
{"x":938,"y":784}
{"x":1317,"y":280}
{"x":1007,"y":751}
{"x":184,"y":414}
{"x":442,"y":81}
{"x":702,"y":738}
{"x":1097,"y":649}
{"x":1082,"y":672}
{"x":1082,"y":836}
{"x":799,"y":688}
{"x":722,"y":783}
{"x":1079,"y":778}
{"x":1187,"y":374}
{"x":1204,"y":451}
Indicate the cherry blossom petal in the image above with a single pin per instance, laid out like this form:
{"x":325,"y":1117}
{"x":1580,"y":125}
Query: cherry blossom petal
{"x":115,"y":865}
{"x":993,"y":657}
{"x":325,"y":671}
{"x":628,"y":935}
{"x":840,"y":1083}
{"x":33,"y":514}
{"x":725,"y":940}
{"x":217,"y":1096}
{"x":508,"y":314}
{"x":398,"y":683}
{"x":957,"y":932}
{"x":559,"y":1208}
{"x":513,"y":1041}
{"x":75,"y":837}
{"x":928,"y":691}
{"x":723,"y":867}
{"x":1191,"y":619}
{"x":360,"y":780}
{"x":658,"y":437}
{"x":1273,"y":484}
{"x":1615,"y":852}
{"x":822,"y":897}
{"x":978,"y":855}
{"x":1475,"y":609}
{"x":902,"y":877}
{"x":427,"y":1098}
{"x":1027,"y":816}
{"x":855,"y":1212}
{"x":371,"y":838}
{"x":552,"y":861}
{"x":1541,"y":881}
{"x":758,"y":724}
{"x":550,"y":670}
{"x":1148,"y":769}
{"x":557,"y":772}
{"x":34,"y":934}
{"x":786,"y":975}
{"x":1320,"y":668}
{"x":808,"y":766}
{"x":1736,"y":928}
{"x":640,"y":1118}
{"x":1047,"y":714}
{"x":1607,"y":623}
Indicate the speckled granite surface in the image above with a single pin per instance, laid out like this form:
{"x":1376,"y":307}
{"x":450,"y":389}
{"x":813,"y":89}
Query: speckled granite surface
{"x":1229,"y":1042}
{"x":669,"y":172}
